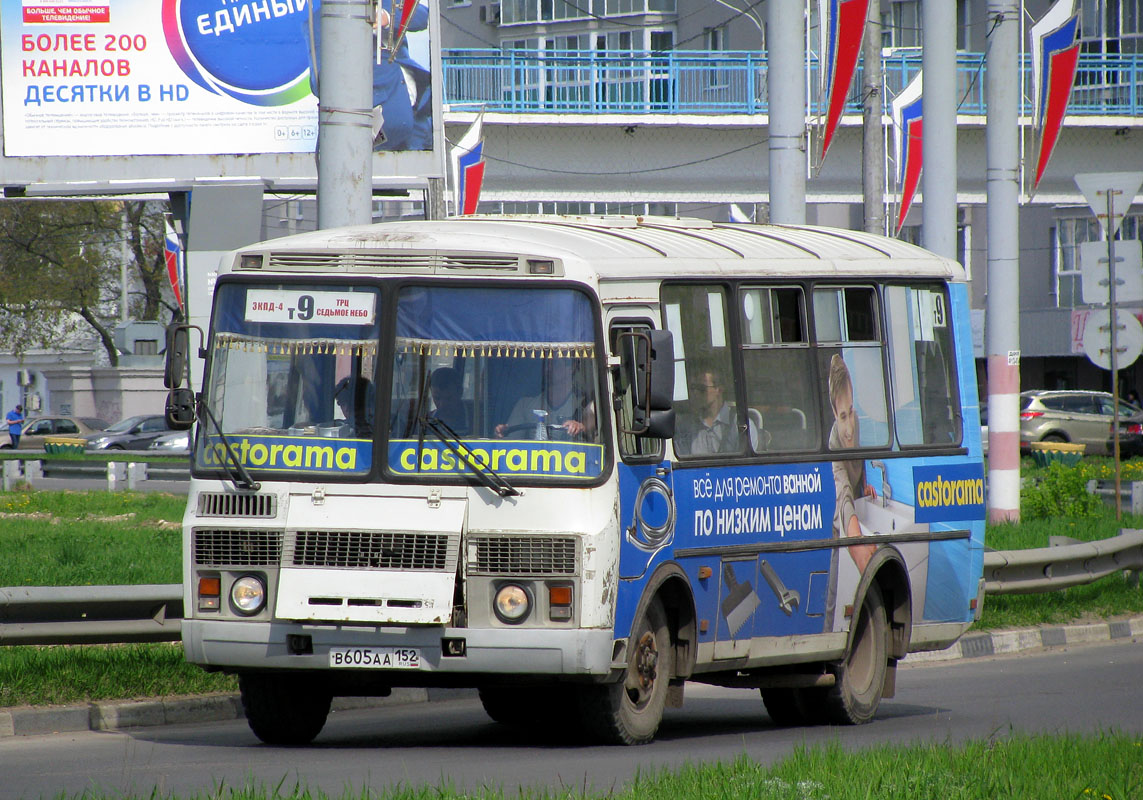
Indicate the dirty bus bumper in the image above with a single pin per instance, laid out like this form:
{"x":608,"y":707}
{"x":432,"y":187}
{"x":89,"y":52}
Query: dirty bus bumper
{"x":306,"y":646}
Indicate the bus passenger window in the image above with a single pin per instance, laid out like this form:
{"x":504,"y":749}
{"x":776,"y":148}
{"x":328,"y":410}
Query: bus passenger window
{"x":848,"y":339}
{"x":921,"y":353}
{"x":781,"y":407}
{"x":709,"y":420}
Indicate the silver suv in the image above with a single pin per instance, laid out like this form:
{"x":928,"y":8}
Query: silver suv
{"x":1070,"y":415}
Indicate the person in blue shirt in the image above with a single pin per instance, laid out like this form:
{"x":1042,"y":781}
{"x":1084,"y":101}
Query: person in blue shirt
{"x":401,"y":85}
{"x":15,"y":420}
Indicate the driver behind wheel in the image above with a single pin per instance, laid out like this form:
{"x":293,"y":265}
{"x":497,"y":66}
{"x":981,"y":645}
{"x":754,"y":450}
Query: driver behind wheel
{"x":562,"y":410}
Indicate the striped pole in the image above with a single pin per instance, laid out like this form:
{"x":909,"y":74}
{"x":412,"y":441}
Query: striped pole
{"x":1002,"y":311}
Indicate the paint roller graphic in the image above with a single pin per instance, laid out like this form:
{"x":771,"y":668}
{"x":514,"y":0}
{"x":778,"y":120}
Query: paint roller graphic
{"x":740,"y":601}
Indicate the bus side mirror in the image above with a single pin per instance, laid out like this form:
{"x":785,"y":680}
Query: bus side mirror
{"x":180,"y":408}
{"x":652,"y":382}
{"x":175,"y":365}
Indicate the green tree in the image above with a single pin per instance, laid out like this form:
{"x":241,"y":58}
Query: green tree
{"x":60,"y":270}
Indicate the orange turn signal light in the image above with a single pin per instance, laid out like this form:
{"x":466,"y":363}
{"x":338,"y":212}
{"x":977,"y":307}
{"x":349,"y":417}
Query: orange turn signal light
{"x":559,"y":595}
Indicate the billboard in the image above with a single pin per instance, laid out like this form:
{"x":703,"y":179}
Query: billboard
{"x":129,"y":90}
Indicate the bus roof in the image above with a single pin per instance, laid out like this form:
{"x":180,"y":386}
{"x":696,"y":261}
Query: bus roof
{"x":600,"y":248}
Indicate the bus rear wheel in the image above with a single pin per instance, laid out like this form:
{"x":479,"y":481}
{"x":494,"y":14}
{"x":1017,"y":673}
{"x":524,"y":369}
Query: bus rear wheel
{"x":860,"y":676}
{"x":629,"y":711}
{"x":283,"y":709}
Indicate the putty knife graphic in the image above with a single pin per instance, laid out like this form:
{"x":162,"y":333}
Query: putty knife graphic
{"x":788,"y":599}
{"x":739,"y":603}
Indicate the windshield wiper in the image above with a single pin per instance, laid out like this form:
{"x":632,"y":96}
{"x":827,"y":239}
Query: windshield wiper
{"x":487,"y":476}
{"x":243,"y":479}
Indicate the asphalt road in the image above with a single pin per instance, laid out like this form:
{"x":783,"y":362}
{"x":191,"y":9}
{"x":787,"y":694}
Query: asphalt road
{"x":1073,"y":689}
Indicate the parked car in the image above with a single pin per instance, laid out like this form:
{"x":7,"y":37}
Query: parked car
{"x":1130,"y":436}
{"x":1072,"y":415}
{"x":37,"y":429}
{"x":171,"y":444}
{"x":132,"y":433}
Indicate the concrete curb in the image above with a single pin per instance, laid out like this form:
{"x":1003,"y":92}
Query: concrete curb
{"x":978,"y":645}
{"x":121,"y":714}
{"x":113,"y":715}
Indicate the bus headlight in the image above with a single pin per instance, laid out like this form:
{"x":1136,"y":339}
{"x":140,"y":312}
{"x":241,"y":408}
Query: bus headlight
{"x":512,"y":603}
{"x":248,"y":595}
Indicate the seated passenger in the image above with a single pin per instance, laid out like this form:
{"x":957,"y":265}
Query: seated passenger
{"x":356,"y":398}
{"x":448,"y":404}
{"x":712,"y":425}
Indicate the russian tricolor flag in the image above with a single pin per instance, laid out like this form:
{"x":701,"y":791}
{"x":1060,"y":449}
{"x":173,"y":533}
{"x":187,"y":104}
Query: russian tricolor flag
{"x":1055,"y":55}
{"x":842,"y":29}
{"x":468,"y":167}
{"x":173,"y":256}
{"x":907,"y":131}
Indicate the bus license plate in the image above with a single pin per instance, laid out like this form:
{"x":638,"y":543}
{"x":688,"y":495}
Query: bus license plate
{"x":375,"y":657}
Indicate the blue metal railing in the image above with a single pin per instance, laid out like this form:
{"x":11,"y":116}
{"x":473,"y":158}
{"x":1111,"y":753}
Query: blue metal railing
{"x":720,"y":82}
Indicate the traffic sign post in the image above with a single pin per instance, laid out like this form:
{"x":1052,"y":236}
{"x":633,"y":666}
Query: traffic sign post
{"x":1110,"y":195}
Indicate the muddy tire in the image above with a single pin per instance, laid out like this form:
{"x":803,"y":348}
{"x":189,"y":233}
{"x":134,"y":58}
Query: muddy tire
{"x":629,"y":711}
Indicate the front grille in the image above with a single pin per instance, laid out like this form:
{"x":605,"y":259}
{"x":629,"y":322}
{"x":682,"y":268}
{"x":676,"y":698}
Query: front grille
{"x":372,"y":550}
{"x":225,"y":504}
{"x":218,"y":548}
{"x":523,"y":555}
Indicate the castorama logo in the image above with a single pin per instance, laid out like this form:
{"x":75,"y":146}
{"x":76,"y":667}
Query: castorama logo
{"x":252,"y":50}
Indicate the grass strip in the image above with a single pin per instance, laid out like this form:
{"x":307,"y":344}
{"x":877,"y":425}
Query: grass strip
{"x":1106,"y":766}
{"x":64,"y":675}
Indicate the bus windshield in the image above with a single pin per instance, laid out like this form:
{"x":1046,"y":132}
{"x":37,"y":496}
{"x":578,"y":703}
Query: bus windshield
{"x":292,"y":377}
{"x":509,"y":372}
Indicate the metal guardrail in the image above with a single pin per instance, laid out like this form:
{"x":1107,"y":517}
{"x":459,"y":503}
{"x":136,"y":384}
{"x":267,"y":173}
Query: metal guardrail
{"x":90,"y":614}
{"x":1048,"y":569}
{"x":118,"y":474}
{"x":42,"y":615}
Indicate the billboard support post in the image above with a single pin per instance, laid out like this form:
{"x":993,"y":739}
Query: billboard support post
{"x":345,"y":114}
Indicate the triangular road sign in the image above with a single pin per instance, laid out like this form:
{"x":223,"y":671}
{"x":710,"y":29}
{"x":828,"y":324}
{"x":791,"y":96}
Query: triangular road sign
{"x":1122,"y":186}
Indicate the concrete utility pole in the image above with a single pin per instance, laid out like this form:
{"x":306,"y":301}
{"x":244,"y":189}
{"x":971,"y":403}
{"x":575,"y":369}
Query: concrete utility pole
{"x":1002,"y":307}
{"x":873,"y":129}
{"x":786,"y":88}
{"x":938,"y":180}
{"x":345,"y":114}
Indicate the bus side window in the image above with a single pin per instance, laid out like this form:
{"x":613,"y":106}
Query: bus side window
{"x":778,"y":364}
{"x":852,"y":367}
{"x":709,"y":419}
{"x":925,"y":391}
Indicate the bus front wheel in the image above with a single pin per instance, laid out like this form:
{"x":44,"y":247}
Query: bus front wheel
{"x":283,"y":709}
{"x":629,"y":711}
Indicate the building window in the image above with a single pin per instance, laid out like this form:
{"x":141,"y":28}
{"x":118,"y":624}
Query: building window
{"x":1067,"y":236}
{"x":716,"y":38}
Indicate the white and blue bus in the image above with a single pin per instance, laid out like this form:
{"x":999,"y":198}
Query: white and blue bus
{"x":575,"y":463}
